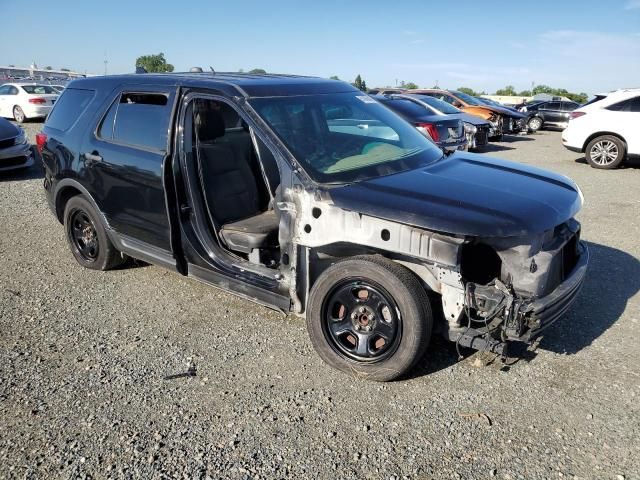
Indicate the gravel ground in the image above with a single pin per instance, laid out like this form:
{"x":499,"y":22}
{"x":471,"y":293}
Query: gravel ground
{"x":84,"y":358}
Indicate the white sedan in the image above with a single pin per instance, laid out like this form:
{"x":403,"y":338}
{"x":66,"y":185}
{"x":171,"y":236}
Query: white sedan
{"x":22,"y":101}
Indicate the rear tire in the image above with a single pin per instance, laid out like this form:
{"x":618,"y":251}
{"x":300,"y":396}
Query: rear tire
{"x":534,"y":124}
{"x":87,"y":238}
{"x":369,"y":316}
{"x":18,"y":114}
{"x":605,"y":152}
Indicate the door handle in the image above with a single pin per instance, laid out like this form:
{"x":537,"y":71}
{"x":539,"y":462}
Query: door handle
{"x":93,"y":157}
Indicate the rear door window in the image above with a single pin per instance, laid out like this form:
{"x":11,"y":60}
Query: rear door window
{"x":138,"y":119}
{"x":552,"y":106}
{"x":71,"y":104}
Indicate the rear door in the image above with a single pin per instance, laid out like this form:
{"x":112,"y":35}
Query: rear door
{"x":123,"y":158}
{"x":623,"y":118}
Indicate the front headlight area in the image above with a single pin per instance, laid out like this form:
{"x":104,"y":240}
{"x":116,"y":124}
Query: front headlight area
{"x":469,"y":128}
{"x":21,"y":139}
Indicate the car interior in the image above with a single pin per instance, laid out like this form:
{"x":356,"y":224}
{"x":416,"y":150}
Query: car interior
{"x":238,"y":179}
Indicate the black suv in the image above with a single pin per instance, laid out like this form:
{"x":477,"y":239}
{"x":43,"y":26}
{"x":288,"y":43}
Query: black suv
{"x":549,"y":114}
{"x":308,"y":196}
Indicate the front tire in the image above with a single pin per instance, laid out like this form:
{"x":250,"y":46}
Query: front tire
{"x":534,"y":124}
{"x":605,"y":152}
{"x":87,"y":237}
{"x":18,"y":114}
{"x":369,"y":316}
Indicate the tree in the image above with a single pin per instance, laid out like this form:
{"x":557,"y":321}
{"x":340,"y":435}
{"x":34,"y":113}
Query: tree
{"x":63,"y":69}
{"x":334,"y":77}
{"x":154,"y":63}
{"x":468,"y":91}
{"x":48,"y":68}
{"x":506,"y":91}
{"x":257,"y":70}
{"x":408,"y":85}
{"x":525,"y":93}
{"x":360,"y":84}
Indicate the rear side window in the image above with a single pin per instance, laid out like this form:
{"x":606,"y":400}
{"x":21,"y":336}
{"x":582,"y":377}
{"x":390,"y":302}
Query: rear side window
{"x":407,"y":108}
{"x":137,"y":119}
{"x":629,"y":105}
{"x":71,"y":104}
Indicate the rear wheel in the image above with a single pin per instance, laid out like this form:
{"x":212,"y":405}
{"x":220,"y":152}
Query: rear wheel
{"x":87,"y":237}
{"x":535,"y":124}
{"x":369,"y":316}
{"x":18,"y":114}
{"x":606,"y":152}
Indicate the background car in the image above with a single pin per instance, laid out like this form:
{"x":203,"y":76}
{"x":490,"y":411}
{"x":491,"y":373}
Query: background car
{"x":606,"y":130}
{"x":501,"y":119}
{"x":15,"y":151}
{"x":549,"y":114}
{"x":24,"y":101}
{"x":447,"y":133}
{"x":476,"y":128}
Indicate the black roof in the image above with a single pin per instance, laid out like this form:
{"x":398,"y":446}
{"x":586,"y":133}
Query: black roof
{"x":244,"y":84}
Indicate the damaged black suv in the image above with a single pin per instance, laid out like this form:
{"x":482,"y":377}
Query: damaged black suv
{"x":308,"y":196}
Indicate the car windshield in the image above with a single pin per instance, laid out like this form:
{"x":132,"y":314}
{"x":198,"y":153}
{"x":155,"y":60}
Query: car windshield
{"x":345,"y":137}
{"x":38,"y":89}
{"x":438,"y":104}
{"x":468,"y":98}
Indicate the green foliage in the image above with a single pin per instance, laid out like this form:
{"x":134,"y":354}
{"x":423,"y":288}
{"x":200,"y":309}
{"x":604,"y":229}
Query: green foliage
{"x":507,"y":91}
{"x":258,"y":70}
{"x":525,"y":93}
{"x":65,"y":70}
{"x":48,"y":67}
{"x":334,"y":77}
{"x":408,"y":85}
{"x":154,"y":63}
{"x":560,"y":92}
{"x":360,"y":84}
{"x":467,"y":90}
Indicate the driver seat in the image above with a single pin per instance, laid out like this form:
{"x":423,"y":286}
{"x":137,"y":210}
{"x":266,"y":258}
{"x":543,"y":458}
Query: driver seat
{"x":230,"y":186}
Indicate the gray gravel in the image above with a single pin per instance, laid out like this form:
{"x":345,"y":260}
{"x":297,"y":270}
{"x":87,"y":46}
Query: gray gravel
{"x":84,"y":358}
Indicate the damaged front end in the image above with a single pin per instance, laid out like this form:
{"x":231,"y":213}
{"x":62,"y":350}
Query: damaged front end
{"x":515,"y":287}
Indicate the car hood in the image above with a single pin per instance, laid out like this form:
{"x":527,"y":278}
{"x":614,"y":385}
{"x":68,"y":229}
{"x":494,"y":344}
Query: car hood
{"x":467,"y":194}
{"x":7,"y":129}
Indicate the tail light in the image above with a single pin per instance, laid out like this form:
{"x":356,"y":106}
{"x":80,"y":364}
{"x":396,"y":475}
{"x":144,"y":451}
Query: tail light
{"x":574,"y":115}
{"x":429,"y":128}
{"x":41,"y":139}
{"x":39,"y":101}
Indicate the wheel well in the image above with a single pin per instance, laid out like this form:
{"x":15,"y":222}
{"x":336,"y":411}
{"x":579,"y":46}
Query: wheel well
{"x":61,"y":200}
{"x":600,"y":134}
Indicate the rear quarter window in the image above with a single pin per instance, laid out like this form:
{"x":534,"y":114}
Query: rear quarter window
{"x":137,"y":119}
{"x":71,"y":104}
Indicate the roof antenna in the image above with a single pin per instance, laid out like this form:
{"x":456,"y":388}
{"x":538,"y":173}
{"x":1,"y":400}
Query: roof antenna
{"x":212,"y":70}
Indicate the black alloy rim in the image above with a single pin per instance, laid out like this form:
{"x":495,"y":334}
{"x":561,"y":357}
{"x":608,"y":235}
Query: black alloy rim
{"x":84,"y":236}
{"x":361,"y":321}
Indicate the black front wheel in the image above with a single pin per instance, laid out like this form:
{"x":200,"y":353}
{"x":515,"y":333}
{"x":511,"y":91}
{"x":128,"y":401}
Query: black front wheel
{"x":369,"y":316}
{"x":87,"y":237}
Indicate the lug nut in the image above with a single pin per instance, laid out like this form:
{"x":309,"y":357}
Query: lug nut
{"x":362,"y":310}
{"x":357,"y":327}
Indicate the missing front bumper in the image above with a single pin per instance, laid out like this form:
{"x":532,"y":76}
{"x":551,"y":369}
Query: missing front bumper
{"x":516,"y":318}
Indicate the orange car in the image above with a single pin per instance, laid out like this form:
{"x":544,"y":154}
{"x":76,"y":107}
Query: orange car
{"x":501,"y":119}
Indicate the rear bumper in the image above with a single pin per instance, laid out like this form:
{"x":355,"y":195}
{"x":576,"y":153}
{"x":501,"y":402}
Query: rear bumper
{"x":36,"y":111}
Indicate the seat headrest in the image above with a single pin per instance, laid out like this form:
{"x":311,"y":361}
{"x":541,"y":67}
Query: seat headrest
{"x":209,"y":124}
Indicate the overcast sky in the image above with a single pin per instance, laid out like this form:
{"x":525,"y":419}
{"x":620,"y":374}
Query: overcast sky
{"x":589,"y":46}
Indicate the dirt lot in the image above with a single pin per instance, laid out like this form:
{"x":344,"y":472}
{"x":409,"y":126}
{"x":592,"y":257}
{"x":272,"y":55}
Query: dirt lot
{"x":84,"y":356}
